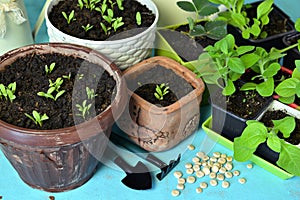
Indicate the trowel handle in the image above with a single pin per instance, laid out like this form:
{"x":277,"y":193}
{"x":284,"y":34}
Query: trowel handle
{"x":155,"y":161}
{"x":123,"y":164}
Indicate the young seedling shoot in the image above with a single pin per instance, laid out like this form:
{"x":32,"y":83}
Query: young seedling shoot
{"x":90,"y":93}
{"x":88,"y":4}
{"x":49,"y":69}
{"x":160,"y":91}
{"x":70,"y":17}
{"x":87,"y":27}
{"x":37,"y":118}
{"x":9,"y":91}
{"x":138,"y":18}
{"x":83,"y":109}
{"x":53,"y":87}
{"x":68,"y":77}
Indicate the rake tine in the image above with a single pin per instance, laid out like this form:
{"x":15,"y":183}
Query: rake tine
{"x":167,"y":168}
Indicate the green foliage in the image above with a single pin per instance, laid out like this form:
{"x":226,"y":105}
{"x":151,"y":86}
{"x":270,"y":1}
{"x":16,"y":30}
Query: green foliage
{"x":237,"y":17}
{"x":202,"y":8}
{"x":70,"y":17}
{"x":53,"y":87}
{"x":256,"y":133}
{"x":90,"y":93}
{"x":224,"y":63}
{"x":49,"y":69}
{"x":88,"y":4}
{"x":8,"y":92}
{"x":113,"y":22}
{"x":138,"y":18}
{"x":160,"y":91}
{"x":83,"y":109}
{"x":87,"y":27}
{"x":37,"y":118}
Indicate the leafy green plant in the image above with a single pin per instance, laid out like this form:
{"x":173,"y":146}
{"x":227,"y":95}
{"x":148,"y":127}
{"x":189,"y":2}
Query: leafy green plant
{"x":120,"y":4}
{"x":84,"y":109}
{"x":237,"y":17}
{"x":53,"y":87}
{"x":68,"y":77}
{"x":70,"y":17}
{"x":9,"y":91}
{"x":160,"y":91}
{"x":90,"y":93}
{"x":256,"y":133}
{"x":37,"y":118}
{"x":88,"y":4}
{"x":202,"y":8}
{"x":49,"y":69}
{"x":87,"y":27}
{"x":138,"y":18}
{"x":224,"y":63}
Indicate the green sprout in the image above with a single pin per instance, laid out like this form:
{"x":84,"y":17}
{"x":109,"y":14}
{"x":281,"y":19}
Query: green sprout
{"x":87,"y":27}
{"x":67,"y":76}
{"x":9,"y":91}
{"x":90,"y":93}
{"x":49,"y":69}
{"x":53,"y":87}
{"x":120,"y":4}
{"x":117,"y":23}
{"x":37,"y":118}
{"x":84,"y":109}
{"x":88,"y":4}
{"x":160,"y":91}
{"x":70,"y":17}
{"x":138,"y":18}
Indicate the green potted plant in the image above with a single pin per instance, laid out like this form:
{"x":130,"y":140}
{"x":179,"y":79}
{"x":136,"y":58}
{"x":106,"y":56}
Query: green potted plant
{"x":55,"y":114}
{"x":122,"y":30}
{"x":164,"y":105}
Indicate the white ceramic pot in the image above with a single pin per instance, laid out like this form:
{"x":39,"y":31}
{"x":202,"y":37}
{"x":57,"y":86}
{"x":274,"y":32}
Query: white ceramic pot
{"x":124,"y":52}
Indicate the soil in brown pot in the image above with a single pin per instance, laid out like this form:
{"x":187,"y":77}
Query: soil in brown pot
{"x":30,"y":77}
{"x":86,"y":16}
{"x":144,"y":85}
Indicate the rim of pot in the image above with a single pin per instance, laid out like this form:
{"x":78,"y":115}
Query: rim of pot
{"x":68,"y":135}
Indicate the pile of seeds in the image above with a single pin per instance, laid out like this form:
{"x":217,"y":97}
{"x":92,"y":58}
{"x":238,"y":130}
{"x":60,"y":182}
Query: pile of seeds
{"x":219,"y":168}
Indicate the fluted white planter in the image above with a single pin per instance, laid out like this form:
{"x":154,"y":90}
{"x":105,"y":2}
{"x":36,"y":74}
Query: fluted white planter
{"x":124,"y":52}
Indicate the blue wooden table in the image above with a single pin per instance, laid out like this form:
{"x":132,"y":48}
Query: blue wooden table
{"x":106,"y":183}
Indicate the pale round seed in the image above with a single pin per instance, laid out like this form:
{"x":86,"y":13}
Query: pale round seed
{"x":189,"y":171}
{"x":196,"y":168}
{"x":236,"y":172}
{"x":200,"y":174}
{"x":196,"y":159}
{"x":175,"y":193}
{"x":210,"y":163}
{"x":181,"y":180}
{"x":180,"y":186}
{"x":217,"y":154}
{"x":212,"y":175}
{"x":203,"y":185}
{"x":198,"y":163}
{"x":228,"y":166}
{"x":188,"y":165}
{"x":222,"y":170}
{"x":249,"y":166}
{"x":204,"y":164}
{"x":191,"y":147}
{"x":213,"y":159}
{"x":178,"y":174}
{"x":205,"y":158}
{"x":228,"y":175}
{"x":215,"y":168}
{"x":200,"y":154}
{"x":222,"y":160}
{"x":217,"y":164}
{"x":225,"y":184}
{"x":206,"y":170}
{"x":229,"y":159}
{"x":199,"y":190}
{"x":191,"y":179}
{"x":220,"y":177}
{"x":242,"y":180}
{"x":213,"y":182}
{"x":223,"y":155}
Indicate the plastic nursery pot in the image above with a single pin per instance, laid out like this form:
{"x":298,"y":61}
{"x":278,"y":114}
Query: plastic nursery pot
{"x":157,"y":128}
{"x":263,"y":150}
{"x":293,"y":54}
{"x":16,"y":24}
{"x":268,"y":42}
{"x":124,"y":52}
{"x":227,"y":123}
{"x":65,"y":158}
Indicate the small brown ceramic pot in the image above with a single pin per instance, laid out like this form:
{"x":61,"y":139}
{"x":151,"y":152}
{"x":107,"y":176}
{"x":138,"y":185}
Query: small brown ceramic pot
{"x":61,"y":159}
{"x":156,"y":128}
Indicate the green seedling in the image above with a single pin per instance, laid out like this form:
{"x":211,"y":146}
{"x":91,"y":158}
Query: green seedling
{"x":49,"y":69}
{"x":70,"y":17}
{"x":53,"y":87}
{"x":9,"y":91}
{"x":88,"y":4}
{"x":117,"y":23}
{"x":83,"y":109}
{"x":37,"y":118}
{"x":138,"y":18}
{"x":160,"y":91}
{"x":87,"y":27}
{"x":256,"y":133}
{"x":68,"y":77}
{"x":90,"y":93}
{"x":120,"y":4}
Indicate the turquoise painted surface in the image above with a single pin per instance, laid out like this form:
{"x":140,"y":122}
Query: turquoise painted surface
{"x":106,"y":183}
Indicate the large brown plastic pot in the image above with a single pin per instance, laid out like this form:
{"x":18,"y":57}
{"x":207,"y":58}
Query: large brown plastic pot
{"x":157,"y":128}
{"x":61,"y":159}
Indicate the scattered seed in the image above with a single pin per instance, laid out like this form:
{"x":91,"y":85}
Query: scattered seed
{"x":225,"y":184}
{"x":191,"y":179}
{"x":236,"y":172}
{"x":215,"y":169}
{"x":203,"y":185}
{"x":206,"y":170}
{"x":213,"y":182}
{"x":180,"y":186}
{"x":220,"y":177}
{"x":242,"y":180}
{"x":205,"y":158}
{"x":196,"y":168}
{"x":200,"y":154}
{"x":200,"y":174}
{"x":189,"y":171}
{"x":222,"y":160}
{"x":195,"y":159}
{"x":228,"y":166}
{"x":228,"y":174}
{"x":212,"y":175}
{"x":210,"y":163}
{"x":175,"y":193}
{"x":191,"y":147}
{"x":181,"y":180}
{"x":217,"y":154}
{"x":229,"y":159}
{"x":213,"y":159}
{"x":178,"y":174}
{"x":223,"y":155}
{"x":199,"y":190}
{"x":222,"y":170}
{"x":249,"y":166}
{"x":188,"y":165}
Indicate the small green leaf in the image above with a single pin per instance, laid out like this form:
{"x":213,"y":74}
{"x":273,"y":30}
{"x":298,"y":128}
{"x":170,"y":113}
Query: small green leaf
{"x":236,"y":65}
{"x":285,"y":125}
{"x":297,"y":25}
{"x":274,"y":143}
{"x":287,"y":100}
{"x":266,"y":88}
{"x":248,"y":86}
{"x":186,"y":6}
{"x":244,"y":49}
{"x":229,"y":88}
{"x":287,"y":87}
{"x":289,"y":158}
{"x":264,"y":7}
{"x":250,"y":59}
{"x":271,"y":70}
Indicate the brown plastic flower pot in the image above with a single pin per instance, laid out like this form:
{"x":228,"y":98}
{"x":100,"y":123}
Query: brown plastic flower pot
{"x":65,"y":158}
{"x":158,"y":128}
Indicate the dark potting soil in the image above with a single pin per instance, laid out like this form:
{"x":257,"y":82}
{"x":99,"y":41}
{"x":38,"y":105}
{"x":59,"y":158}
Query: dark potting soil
{"x":245,"y":104}
{"x":276,"y":115}
{"x":144,"y":85}
{"x":86,"y":16}
{"x":186,"y":47}
{"x":30,"y":77}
